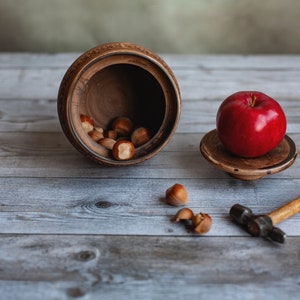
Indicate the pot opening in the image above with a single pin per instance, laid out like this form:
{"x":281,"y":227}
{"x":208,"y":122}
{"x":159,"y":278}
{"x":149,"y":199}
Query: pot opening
{"x":124,"y":90}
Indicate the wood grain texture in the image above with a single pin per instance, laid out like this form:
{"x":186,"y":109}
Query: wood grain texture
{"x":285,"y":211}
{"x":41,"y":115}
{"x":90,"y":206}
{"x":52,"y":151}
{"x":73,"y":229}
{"x":109,"y":267}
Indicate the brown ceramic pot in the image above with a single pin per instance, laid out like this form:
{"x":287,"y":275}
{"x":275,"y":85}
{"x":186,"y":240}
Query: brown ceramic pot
{"x":113,"y":80}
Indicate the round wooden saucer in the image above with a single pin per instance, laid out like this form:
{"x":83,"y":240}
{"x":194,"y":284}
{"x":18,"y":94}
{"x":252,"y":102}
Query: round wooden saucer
{"x":273,"y":162}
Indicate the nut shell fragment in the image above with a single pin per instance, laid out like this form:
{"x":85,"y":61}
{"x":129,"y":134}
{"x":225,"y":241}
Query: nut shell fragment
{"x":183,"y":214}
{"x":95,"y":135}
{"x":202,"y":223}
{"x":107,"y":143}
{"x":87,"y":123}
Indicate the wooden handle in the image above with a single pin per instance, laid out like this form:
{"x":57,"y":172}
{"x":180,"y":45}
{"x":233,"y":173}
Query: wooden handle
{"x":285,"y":211}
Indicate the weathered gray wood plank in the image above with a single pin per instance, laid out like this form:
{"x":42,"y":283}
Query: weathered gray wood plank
{"x":35,"y":154}
{"x":127,"y":206}
{"x":109,"y":267}
{"x":198,"y":61}
{"x":120,"y":239}
{"x":44,"y":83}
{"x":31,"y":115}
{"x":199,"y":115}
{"x":23,"y":60}
{"x":201,"y":76}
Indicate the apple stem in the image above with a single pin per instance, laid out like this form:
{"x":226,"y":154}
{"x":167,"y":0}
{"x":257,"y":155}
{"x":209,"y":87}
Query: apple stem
{"x":252,"y":103}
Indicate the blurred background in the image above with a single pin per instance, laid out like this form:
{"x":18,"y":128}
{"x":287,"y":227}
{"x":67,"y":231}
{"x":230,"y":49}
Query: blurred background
{"x":164,"y":26}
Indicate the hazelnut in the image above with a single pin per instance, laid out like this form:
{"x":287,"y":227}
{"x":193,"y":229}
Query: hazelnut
{"x":183,"y":214}
{"x":123,"y":150}
{"x":140,"y":136}
{"x":112,"y":134}
{"x":87,"y":123}
{"x":177,"y":195}
{"x":202,"y":223}
{"x":96,"y":135}
{"x":121,"y":130}
{"x":123,"y":126}
{"x":99,"y":129}
{"x":107,"y":143}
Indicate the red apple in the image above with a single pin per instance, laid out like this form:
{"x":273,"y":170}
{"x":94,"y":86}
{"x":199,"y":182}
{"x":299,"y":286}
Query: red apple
{"x":250,"y":124}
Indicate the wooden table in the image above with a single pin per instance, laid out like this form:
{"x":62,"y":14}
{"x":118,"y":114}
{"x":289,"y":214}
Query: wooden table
{"x":71,"y":228}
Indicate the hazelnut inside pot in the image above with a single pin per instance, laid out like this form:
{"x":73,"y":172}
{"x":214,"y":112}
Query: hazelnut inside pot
{"x":119,"y":79}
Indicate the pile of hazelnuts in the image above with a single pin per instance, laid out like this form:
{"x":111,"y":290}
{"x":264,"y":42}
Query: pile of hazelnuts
{"x":121,"y":138}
